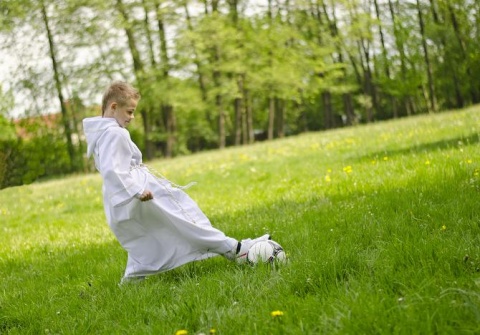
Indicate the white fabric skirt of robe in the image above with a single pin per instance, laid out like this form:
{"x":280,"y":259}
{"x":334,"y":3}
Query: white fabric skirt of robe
{"x":165,"y":232}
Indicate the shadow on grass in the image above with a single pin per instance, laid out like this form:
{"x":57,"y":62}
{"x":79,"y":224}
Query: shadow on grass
{"x":461,"y":141}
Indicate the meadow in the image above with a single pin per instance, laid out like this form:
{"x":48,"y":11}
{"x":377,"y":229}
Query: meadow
{"x":380,"y":223}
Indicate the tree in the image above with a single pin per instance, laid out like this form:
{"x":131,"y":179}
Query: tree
{"x":330,"y":24}
{"x":58,"y":85}
{"x":212,"y":73}
{"x":460,"y":23}
{"x":385,"y":59}
{"x":405,"y":84}
{"x":448,"y":64}
{"x":168,"y":111}
{"x":431,"y":85}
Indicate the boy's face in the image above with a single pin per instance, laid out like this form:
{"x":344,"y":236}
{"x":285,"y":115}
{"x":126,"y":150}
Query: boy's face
{"x":123,"y":113}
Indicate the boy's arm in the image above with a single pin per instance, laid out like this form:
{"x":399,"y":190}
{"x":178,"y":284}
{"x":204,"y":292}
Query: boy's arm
{"x":115,"y":154}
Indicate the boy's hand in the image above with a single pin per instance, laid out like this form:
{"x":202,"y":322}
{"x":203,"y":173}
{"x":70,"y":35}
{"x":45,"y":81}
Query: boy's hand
{"x":146,"y":196}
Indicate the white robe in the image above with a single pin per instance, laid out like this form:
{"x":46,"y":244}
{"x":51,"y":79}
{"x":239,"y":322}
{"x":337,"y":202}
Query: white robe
{"x":159,"y":234}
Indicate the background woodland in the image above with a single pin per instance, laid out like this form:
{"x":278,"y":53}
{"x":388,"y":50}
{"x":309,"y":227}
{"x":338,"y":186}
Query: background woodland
{"x":223,"y":73}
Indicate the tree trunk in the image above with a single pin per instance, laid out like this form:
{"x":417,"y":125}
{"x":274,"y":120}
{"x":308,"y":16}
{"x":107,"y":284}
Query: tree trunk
{"x":238,"y":100}
{"x":164,"y":58}
{"x":370,"y":88}
{"x":137,"y":62}
{"x":146,"y":22}
{"x":196,"y":61}
{"x":271,"y":98}
{"x":393,"y":101}
{"x":215,"y":5}
{"x":66,"y":124}
{"x":431,"y":85}
{"x":219,"y":103}
{"x":406,"y":100}
{"x":138,"y":69}
{"x":473,"y":90}
{"x":233,"y":10}
{"x":334,"y":32}
{"x":280,"y":117}
{"x":348,"y":108}
{"x":458,"y":94}
{"x":327,"y":110}
{"x":249,"y":117}
{"x":147,"y":129}
{"x":382,"y":39}
{"x":221,"y":122}
{"x":245,"y":137}
{"x":347,"y":97}
{"x":326,"y":96}
{"x":74,"y":112}
{"x":168,"y":111}
{"x":205,"y":7}
{"x":238,"y":107}
{"x":170,"y":126}
{"x":217,"y":78}
{"x":271,"y":117}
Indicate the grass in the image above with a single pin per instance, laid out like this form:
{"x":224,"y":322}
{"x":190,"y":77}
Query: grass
{"x":380,"y":222}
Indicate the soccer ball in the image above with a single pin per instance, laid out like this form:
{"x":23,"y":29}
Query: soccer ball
{"x":266,"y":252}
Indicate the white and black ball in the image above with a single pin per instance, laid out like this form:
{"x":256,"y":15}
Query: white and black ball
{"x":266,"y":252}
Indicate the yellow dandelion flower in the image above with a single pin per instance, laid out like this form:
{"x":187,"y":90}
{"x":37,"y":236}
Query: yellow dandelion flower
{"x":181,"y":332}
{"x":328,"y":179}
{"x":276,"y":313}
{"x":385,"y":158}
{"x":347,"y":169}
{"x":469,"y":161}
{"x":427,"y":162}
{"x":213,"y":331}
{"x":444,"y":227}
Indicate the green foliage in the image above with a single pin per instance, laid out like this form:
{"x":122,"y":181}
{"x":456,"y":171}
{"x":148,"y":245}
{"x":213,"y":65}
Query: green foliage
{"x":44,"y":156}
{"x":40,"y":153}
{"x":380,"y":223}
{"x":7,"y":130}
{"x":201,"y":71}
{"x":11,"y":12}
{"x":7,"y":142}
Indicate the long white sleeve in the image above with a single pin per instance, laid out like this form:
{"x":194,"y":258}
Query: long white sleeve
{"x":115,"y":157}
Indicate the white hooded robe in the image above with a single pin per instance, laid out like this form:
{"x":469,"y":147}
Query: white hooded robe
{"x":160,"y":234}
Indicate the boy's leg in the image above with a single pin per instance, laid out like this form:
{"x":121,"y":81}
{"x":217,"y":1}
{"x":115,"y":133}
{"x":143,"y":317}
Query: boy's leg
{"x":183,"y":208}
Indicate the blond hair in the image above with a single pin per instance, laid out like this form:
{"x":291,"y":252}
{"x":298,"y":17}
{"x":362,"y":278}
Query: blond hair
{"x":119,"y":92}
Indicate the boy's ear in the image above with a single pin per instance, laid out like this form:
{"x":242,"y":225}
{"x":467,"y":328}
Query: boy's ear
{"x":113,"y":106}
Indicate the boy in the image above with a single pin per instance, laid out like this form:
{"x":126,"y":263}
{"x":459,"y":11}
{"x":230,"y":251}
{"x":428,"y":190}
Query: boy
{"x":158,"y":224}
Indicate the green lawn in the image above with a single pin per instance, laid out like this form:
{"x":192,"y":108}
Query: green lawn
{"x":380,"y":223}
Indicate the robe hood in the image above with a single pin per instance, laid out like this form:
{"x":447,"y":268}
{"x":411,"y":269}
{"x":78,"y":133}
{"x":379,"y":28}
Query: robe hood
{"x":94,"y":128}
